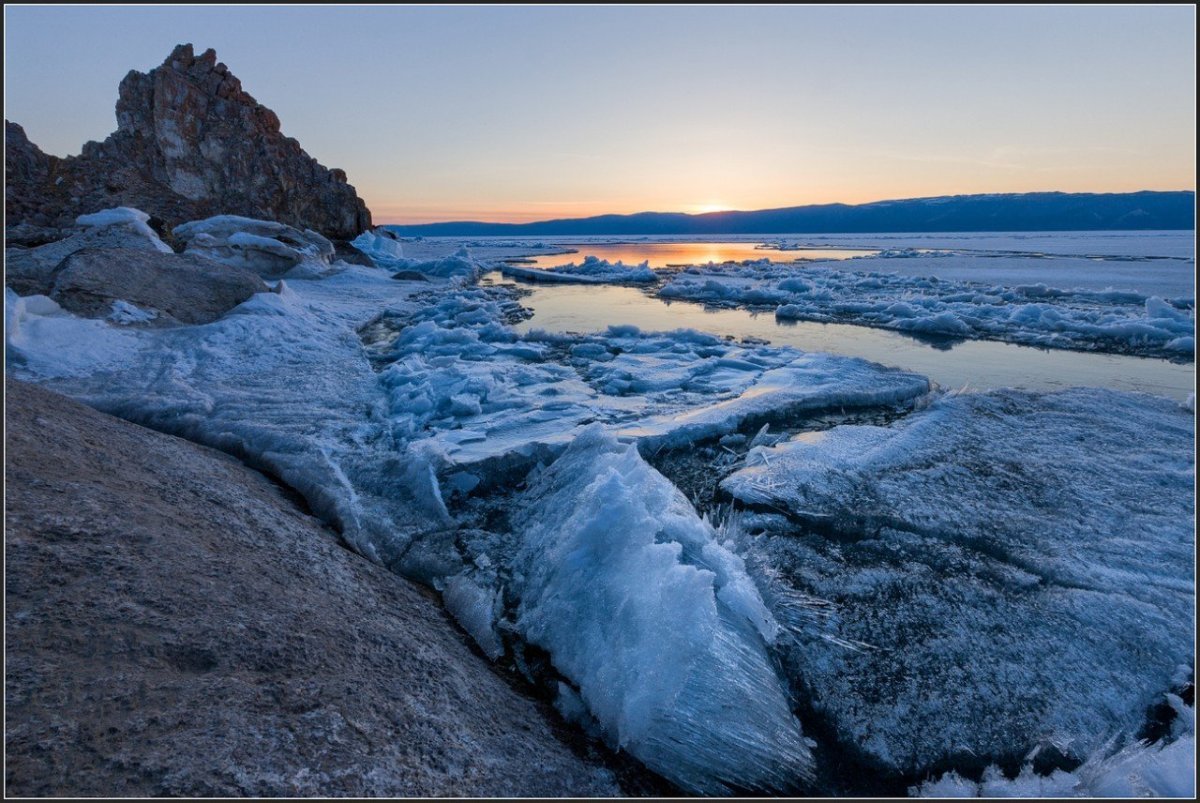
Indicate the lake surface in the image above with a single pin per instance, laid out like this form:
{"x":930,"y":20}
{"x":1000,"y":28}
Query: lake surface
{"x":665,"y":255}
{"x":975,"y":364}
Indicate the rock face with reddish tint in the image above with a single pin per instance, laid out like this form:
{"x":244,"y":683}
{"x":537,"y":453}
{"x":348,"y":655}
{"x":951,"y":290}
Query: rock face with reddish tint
{"x":190,"y":143}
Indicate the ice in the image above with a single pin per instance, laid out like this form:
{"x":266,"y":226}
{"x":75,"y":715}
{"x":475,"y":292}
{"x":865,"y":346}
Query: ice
{"x":482,"y":394}
{"x":1121,"y":245}
{"x":1162,"y":769}
{"x":592,"y":270}
{"x":46,"y":341}
{"x":473,"y":607}
{"x":656,"y":623}
{"x":1017,"y":567}
{"x":381,"y":247}
{"x":1031,"y":314}
{"x":281,"y":381}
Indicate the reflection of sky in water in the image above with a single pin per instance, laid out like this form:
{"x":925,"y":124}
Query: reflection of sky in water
{"x":978,"y":364}
{"x":661,"y":255}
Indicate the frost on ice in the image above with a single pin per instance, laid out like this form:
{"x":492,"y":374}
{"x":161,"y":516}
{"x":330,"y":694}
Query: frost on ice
{"x":1166,"y":768}
{"x":656,"y":623}
{"x":1015,"y":568}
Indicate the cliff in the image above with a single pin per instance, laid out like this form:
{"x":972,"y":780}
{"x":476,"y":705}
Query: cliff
{"x":190,"y":143}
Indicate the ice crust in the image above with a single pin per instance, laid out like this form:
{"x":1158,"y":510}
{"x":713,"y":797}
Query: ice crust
{"x":126,"y":217}
{"x":1015,"y":568}
{"x":268,"y":248}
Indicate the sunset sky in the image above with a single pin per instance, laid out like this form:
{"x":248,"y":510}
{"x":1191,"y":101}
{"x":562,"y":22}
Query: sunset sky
{"x":526,"y":113}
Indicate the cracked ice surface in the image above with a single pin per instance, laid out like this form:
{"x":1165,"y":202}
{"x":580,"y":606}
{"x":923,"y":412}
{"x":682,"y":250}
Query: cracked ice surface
{"x":1016,"y":569}
{"x":473,"y":391}
{"x":284,"y":381}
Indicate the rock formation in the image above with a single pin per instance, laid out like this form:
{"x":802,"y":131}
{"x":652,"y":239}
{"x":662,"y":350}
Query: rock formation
{"x":190,"y":143}
{"x":176,"y":626}
{"x":165,"y":289}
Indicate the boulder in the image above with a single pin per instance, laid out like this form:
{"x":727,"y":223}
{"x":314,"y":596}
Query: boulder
{"x":265,"y":247}
{"x":31,"y":271}
{"x":171,"y":288}
{"x":190,"y":143}
{"x":176,"y":625}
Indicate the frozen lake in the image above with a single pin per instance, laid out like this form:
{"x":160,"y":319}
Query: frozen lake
{"x":1157,"y":263}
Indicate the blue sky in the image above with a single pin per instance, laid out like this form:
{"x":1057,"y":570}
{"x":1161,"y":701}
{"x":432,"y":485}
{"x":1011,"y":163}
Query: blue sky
{"x":519,"y":113}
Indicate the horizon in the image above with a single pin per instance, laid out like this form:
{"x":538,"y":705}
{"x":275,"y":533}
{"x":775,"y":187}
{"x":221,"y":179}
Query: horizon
{"x":792,"y":206}
{"x":528,"y":114}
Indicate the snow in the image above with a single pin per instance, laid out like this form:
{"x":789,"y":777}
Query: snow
{"x":1018,"y":565}
{"x":125,"y":217}
{"x":656,"y":623}
{"x":1036,"y":314}
{"x":125,"y":312}
{"x":591,"y":271}
{"x":263,"y":246}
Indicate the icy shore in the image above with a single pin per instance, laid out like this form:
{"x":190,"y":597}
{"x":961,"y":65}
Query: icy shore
{"x":984,"y":555}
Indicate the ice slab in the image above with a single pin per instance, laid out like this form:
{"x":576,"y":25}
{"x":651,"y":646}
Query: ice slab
{"x":1010,"y":569}
{"x":656,"y":623}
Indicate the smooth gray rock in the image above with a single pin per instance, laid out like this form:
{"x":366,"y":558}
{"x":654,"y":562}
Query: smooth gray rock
{"x":32,"y":271}
{"x":179,"y":288}
{"x":176,"y":626}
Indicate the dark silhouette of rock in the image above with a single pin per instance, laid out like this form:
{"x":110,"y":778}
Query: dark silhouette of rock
{"x":176,"y":626}
{"x":177,"y":288}
{"x":190,"y":143}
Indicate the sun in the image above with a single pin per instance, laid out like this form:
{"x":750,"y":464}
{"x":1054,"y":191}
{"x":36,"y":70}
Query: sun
{"x":703,"y":209}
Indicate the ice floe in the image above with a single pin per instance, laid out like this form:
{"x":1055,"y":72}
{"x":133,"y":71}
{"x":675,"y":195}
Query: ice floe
{"x":592,"y":270}
{"x":1030,"y":314}
{"x":1014,"y":569}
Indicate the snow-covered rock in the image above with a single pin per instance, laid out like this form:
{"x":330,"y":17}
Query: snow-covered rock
{"x":1008,"y":570}
{"x":656,"y":623}
{"x":32,"y":271}
{"x":264,"y":247}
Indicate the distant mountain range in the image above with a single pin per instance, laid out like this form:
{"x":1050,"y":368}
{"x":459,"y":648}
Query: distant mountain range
{"x":1032,"y":211}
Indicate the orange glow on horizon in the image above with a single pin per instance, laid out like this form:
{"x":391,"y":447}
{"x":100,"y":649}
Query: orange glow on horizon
{"x":414,"y":214}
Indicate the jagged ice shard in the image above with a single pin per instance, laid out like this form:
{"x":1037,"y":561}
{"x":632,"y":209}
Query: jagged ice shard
{"x":659,"y":626}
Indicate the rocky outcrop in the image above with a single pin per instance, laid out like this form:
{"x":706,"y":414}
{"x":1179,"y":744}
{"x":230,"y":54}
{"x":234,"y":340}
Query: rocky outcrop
{"x":176,"y":626}
{"x":190,"y":143}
